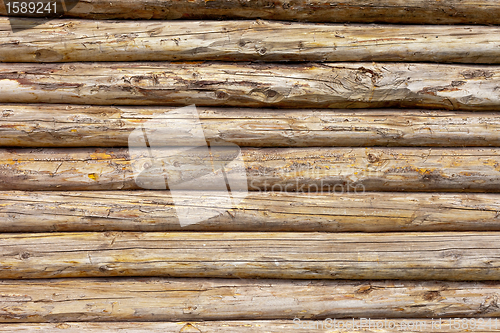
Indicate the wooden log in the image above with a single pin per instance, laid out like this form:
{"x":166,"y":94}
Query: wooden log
{"x":456,"y":256}
{"x":266,"y":211}
{"x":321,"y":85}
{"x":391,"y":11}
{"x":304,"y":170}
{"x":157,"y":299}
{"x":56,"y":125}
{"x":84,"y":40}
{"x":412,"y":325}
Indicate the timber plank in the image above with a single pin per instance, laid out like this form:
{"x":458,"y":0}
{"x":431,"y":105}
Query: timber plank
{"x":391,"y":11}
{"x":33,"y":211}
{"x":411,"y":325}
{"x":311,"y":85}
{"x":59,"y":125}
{"x":85,"y":40}
{"x":158,"y":299}
{"x":454,"y":256}
{"x":304,"y":170}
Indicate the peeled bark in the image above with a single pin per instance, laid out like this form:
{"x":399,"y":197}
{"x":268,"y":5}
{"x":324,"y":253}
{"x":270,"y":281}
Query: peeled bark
{"x":84,"y":40}
{"x":304,"y":170}
{"x":157,"y":299}
{"x":155,"y":211}
{"x":39,"y":125}
{"x":454,"y":256}
{"x":390,"y":11}
{"x":315,"y":85}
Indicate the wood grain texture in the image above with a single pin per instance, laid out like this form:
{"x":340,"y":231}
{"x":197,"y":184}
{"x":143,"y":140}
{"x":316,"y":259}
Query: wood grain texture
{"x":313,"y":85}
{"x":155,"y":211}
{"x":84,"y":40}
{"x":304,"y":170}
{"x":157,"y":299}
{"x":458,"y":256}
{"x":391,"y":11}
{"x":58,"y":125}
{"x":412,"y":325}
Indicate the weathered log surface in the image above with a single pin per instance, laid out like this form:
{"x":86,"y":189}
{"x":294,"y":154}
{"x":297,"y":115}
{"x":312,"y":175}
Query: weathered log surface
{"x":266,"y":211}
{"x":56,"y":125}
{"x":459,"y":256}
{"x":83,"y":40}
{"x":412,"y":325}
{"x":321,"y":85}
{"x":391,"y":11}
{"x":157,"y":299}
{"x":310,"y":170}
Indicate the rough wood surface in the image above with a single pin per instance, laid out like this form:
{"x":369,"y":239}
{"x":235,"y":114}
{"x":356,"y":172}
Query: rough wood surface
{"x":459,"y":256}
{"x":83,"y":40}
{"x":304,"y":170}
{"x":321,"y":85}
{"x":56,"y":125}
{"x":391,"y":11}
{"x":156,"y":299}
{"x":412,"y":325}
{"x":154,"y":211}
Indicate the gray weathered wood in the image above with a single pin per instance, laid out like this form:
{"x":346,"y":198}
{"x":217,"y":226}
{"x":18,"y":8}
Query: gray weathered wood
{"x":320,"y":85}
{"x":416,"y":256}
{"x":154,"y":211}
{"x":157,"y":299}
{"x":84,"y":40}
{"x":56,"y":125}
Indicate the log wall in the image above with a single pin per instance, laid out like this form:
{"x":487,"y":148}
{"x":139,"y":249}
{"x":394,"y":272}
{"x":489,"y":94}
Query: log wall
{"x":369,"y":141}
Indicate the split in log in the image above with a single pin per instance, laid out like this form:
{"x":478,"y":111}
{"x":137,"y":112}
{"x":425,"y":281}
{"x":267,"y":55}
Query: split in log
{"x":304,"y":170}
{"x":390,"y":11}
{"x":157,"y":299}
{"x":56,"y":125}
{"x":320,"y":85}
{"x":84,"y":40}
{"x":454,"y":256}
{"x":411,"y":325}
{"x":155,"y":211}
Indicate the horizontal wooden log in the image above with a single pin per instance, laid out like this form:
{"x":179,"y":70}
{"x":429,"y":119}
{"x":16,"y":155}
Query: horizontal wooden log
{"x":304,"y":170}
{"x":266,"y":211}
{"x":414,"y":256}
{"x":320,"y":85}
{"x":391,"y":11}
{"x":56,"y":125}
{"x":157,"y":299}
{"x":412,"y":325}
{"x":84,"y":40}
